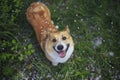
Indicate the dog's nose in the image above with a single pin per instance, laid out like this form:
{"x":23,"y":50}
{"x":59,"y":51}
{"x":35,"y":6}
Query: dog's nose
{"x":60,"y":47}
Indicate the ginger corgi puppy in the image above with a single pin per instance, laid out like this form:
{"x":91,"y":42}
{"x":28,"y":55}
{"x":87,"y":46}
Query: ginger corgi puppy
{"x":57,"y":45}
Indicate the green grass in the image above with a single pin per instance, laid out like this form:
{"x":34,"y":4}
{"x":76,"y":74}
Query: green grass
{"x":94,"y":26}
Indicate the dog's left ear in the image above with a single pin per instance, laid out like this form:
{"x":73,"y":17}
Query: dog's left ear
{"x":67,"y":29}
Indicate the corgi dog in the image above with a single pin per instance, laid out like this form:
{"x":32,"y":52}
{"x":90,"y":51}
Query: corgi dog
{"x":57,"y":45}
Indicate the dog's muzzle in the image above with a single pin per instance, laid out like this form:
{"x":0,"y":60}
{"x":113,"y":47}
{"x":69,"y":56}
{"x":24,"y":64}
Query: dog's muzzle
{"x":60,"y":51}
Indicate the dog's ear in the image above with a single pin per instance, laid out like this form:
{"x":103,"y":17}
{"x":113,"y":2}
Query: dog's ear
{"x":67,"y":29}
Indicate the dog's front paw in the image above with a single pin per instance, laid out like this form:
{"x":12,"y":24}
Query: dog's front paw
{"x":54,"y":63}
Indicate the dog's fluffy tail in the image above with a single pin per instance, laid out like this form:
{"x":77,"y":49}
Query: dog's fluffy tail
{"x":39,"y":17}
{"x":37,"y":10}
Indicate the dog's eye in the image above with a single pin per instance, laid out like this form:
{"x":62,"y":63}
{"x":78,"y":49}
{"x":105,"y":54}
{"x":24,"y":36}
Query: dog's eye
{"x":54,"y":40}
{"x":64,"y":38}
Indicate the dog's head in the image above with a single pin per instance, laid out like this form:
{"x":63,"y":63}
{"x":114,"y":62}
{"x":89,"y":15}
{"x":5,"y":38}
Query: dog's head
{"x":59,"y":45}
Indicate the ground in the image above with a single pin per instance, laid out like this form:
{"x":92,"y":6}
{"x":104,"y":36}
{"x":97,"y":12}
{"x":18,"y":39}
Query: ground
{"x":94,"y":26}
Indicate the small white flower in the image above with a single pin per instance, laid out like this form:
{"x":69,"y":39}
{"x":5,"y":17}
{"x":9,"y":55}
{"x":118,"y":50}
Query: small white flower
{"x":112,"y":22}
{"x":107,"y":14}
{"x":111,"y":53}
{"x":98,"y":78}
{"x":75,"y":20}
{"x":67,"y":7}
{"x":57,"y":26}
{"x":76,"y":14}
{"x":81,"y":19}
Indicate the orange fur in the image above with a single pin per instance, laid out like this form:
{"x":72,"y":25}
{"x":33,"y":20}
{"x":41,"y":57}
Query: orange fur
{"x":39,"y":17}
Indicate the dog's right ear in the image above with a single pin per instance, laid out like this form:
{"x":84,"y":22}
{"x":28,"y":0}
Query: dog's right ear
{"x":67,"y":29}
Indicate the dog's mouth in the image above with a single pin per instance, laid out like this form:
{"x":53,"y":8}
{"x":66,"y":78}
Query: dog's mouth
{"x":62,"y":53}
